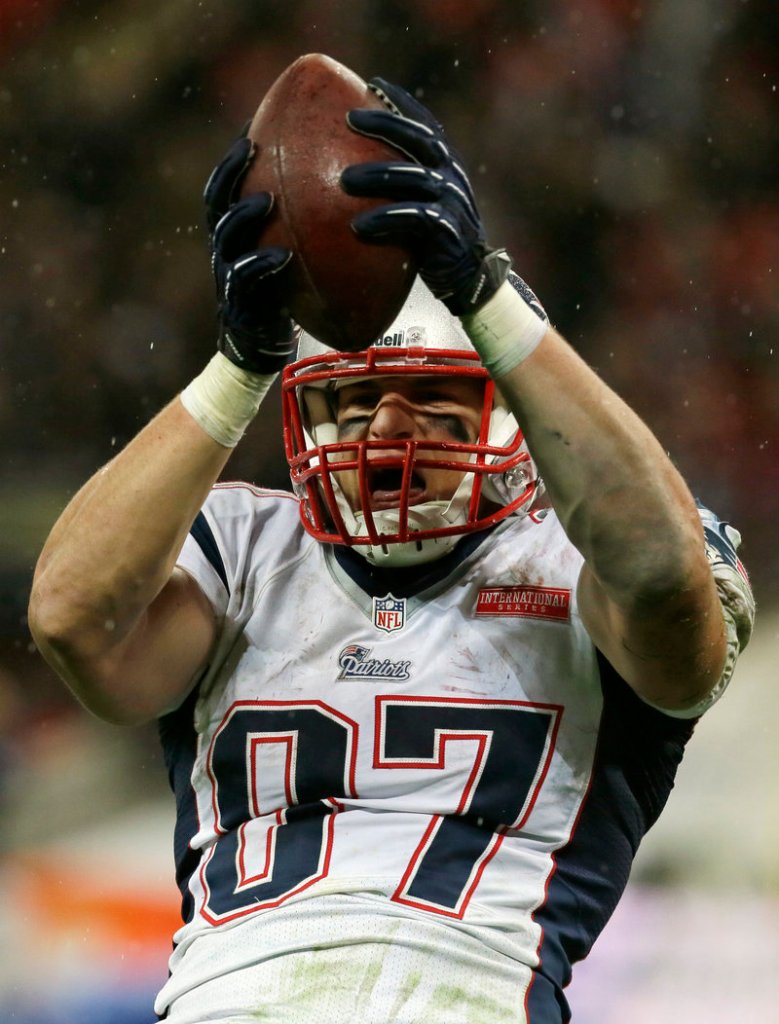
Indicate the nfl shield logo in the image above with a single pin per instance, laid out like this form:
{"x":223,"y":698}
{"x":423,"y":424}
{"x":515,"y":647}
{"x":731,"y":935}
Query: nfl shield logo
{"x":389,"y":613}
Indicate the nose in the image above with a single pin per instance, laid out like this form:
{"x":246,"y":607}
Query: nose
{"x":392,"y":419}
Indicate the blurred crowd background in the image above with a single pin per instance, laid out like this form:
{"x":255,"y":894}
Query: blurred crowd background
{"x":626,"y":154}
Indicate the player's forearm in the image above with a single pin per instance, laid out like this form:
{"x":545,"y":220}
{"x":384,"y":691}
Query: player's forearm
{"x":115,"y":545}
{"x":618,"y":496}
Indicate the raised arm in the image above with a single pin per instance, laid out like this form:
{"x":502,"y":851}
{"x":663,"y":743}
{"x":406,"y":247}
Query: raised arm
{"x":107,"y":610}
{"x":126,"y":629}
{"x":646,"y":594}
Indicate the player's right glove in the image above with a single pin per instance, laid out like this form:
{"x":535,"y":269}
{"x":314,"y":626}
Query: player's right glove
{"x":255,"y":330}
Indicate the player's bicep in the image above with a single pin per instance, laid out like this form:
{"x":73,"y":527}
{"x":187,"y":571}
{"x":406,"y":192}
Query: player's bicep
{"x":155,"y":667}
{"x":671,"y":653}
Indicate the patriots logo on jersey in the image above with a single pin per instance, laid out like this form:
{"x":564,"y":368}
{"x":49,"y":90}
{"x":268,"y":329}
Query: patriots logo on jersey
{"x":389,"y":613}
{"x":356,"y":663}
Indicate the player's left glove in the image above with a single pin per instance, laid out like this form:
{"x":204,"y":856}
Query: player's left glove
{"x":433,"y":206}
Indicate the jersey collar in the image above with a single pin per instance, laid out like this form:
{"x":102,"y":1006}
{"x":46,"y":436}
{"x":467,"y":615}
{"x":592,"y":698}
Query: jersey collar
{"x":409,"y":580}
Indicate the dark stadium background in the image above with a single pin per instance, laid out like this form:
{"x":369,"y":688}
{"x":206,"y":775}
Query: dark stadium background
{"x":626,"y":153}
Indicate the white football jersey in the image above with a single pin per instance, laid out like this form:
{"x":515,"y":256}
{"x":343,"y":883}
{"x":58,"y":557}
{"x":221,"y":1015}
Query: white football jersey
{"x":408,"y":796}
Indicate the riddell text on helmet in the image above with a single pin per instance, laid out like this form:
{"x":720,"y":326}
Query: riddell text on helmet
{"x":409,"y":336}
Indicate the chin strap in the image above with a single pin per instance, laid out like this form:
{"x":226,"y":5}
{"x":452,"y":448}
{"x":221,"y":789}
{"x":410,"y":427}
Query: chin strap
{"x":429,"y":516}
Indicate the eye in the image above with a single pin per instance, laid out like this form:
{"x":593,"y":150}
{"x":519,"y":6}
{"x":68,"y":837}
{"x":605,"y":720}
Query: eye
{"x":354,"y":409}
{"x":360,"y":396}
{"x":455,"y":425}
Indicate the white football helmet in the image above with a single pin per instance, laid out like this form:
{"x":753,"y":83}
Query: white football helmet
{"x":499,"y":476}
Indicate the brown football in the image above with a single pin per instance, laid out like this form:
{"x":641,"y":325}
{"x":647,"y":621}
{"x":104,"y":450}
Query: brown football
{"x":343,"y":291}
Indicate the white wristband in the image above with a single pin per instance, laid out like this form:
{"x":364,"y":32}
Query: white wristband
{"x":224,"y":399}
{"x":504,"y":331}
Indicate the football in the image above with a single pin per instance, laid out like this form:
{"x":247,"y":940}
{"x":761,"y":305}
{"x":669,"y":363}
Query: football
{"x":343,"y":291}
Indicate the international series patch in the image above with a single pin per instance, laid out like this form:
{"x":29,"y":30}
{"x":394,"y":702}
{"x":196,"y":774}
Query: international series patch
{"x":525,"y":602}
{"x":389,"y":613}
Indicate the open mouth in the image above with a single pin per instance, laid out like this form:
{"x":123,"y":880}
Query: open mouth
{"x":385,"y":486}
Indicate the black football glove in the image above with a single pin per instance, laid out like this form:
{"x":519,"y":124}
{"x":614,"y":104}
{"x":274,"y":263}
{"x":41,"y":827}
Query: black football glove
{"x":255,"y":330}
{"x":433,"y":209}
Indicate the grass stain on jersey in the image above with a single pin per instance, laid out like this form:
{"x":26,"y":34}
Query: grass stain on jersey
{"x":369,"y":978}
{"x":406,"y":992}
{"x":309,"y":978}
{"x":479,"y":1008}
{"x":319,"y":974}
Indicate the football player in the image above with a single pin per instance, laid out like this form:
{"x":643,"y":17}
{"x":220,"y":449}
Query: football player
{"x":417,"y":719}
